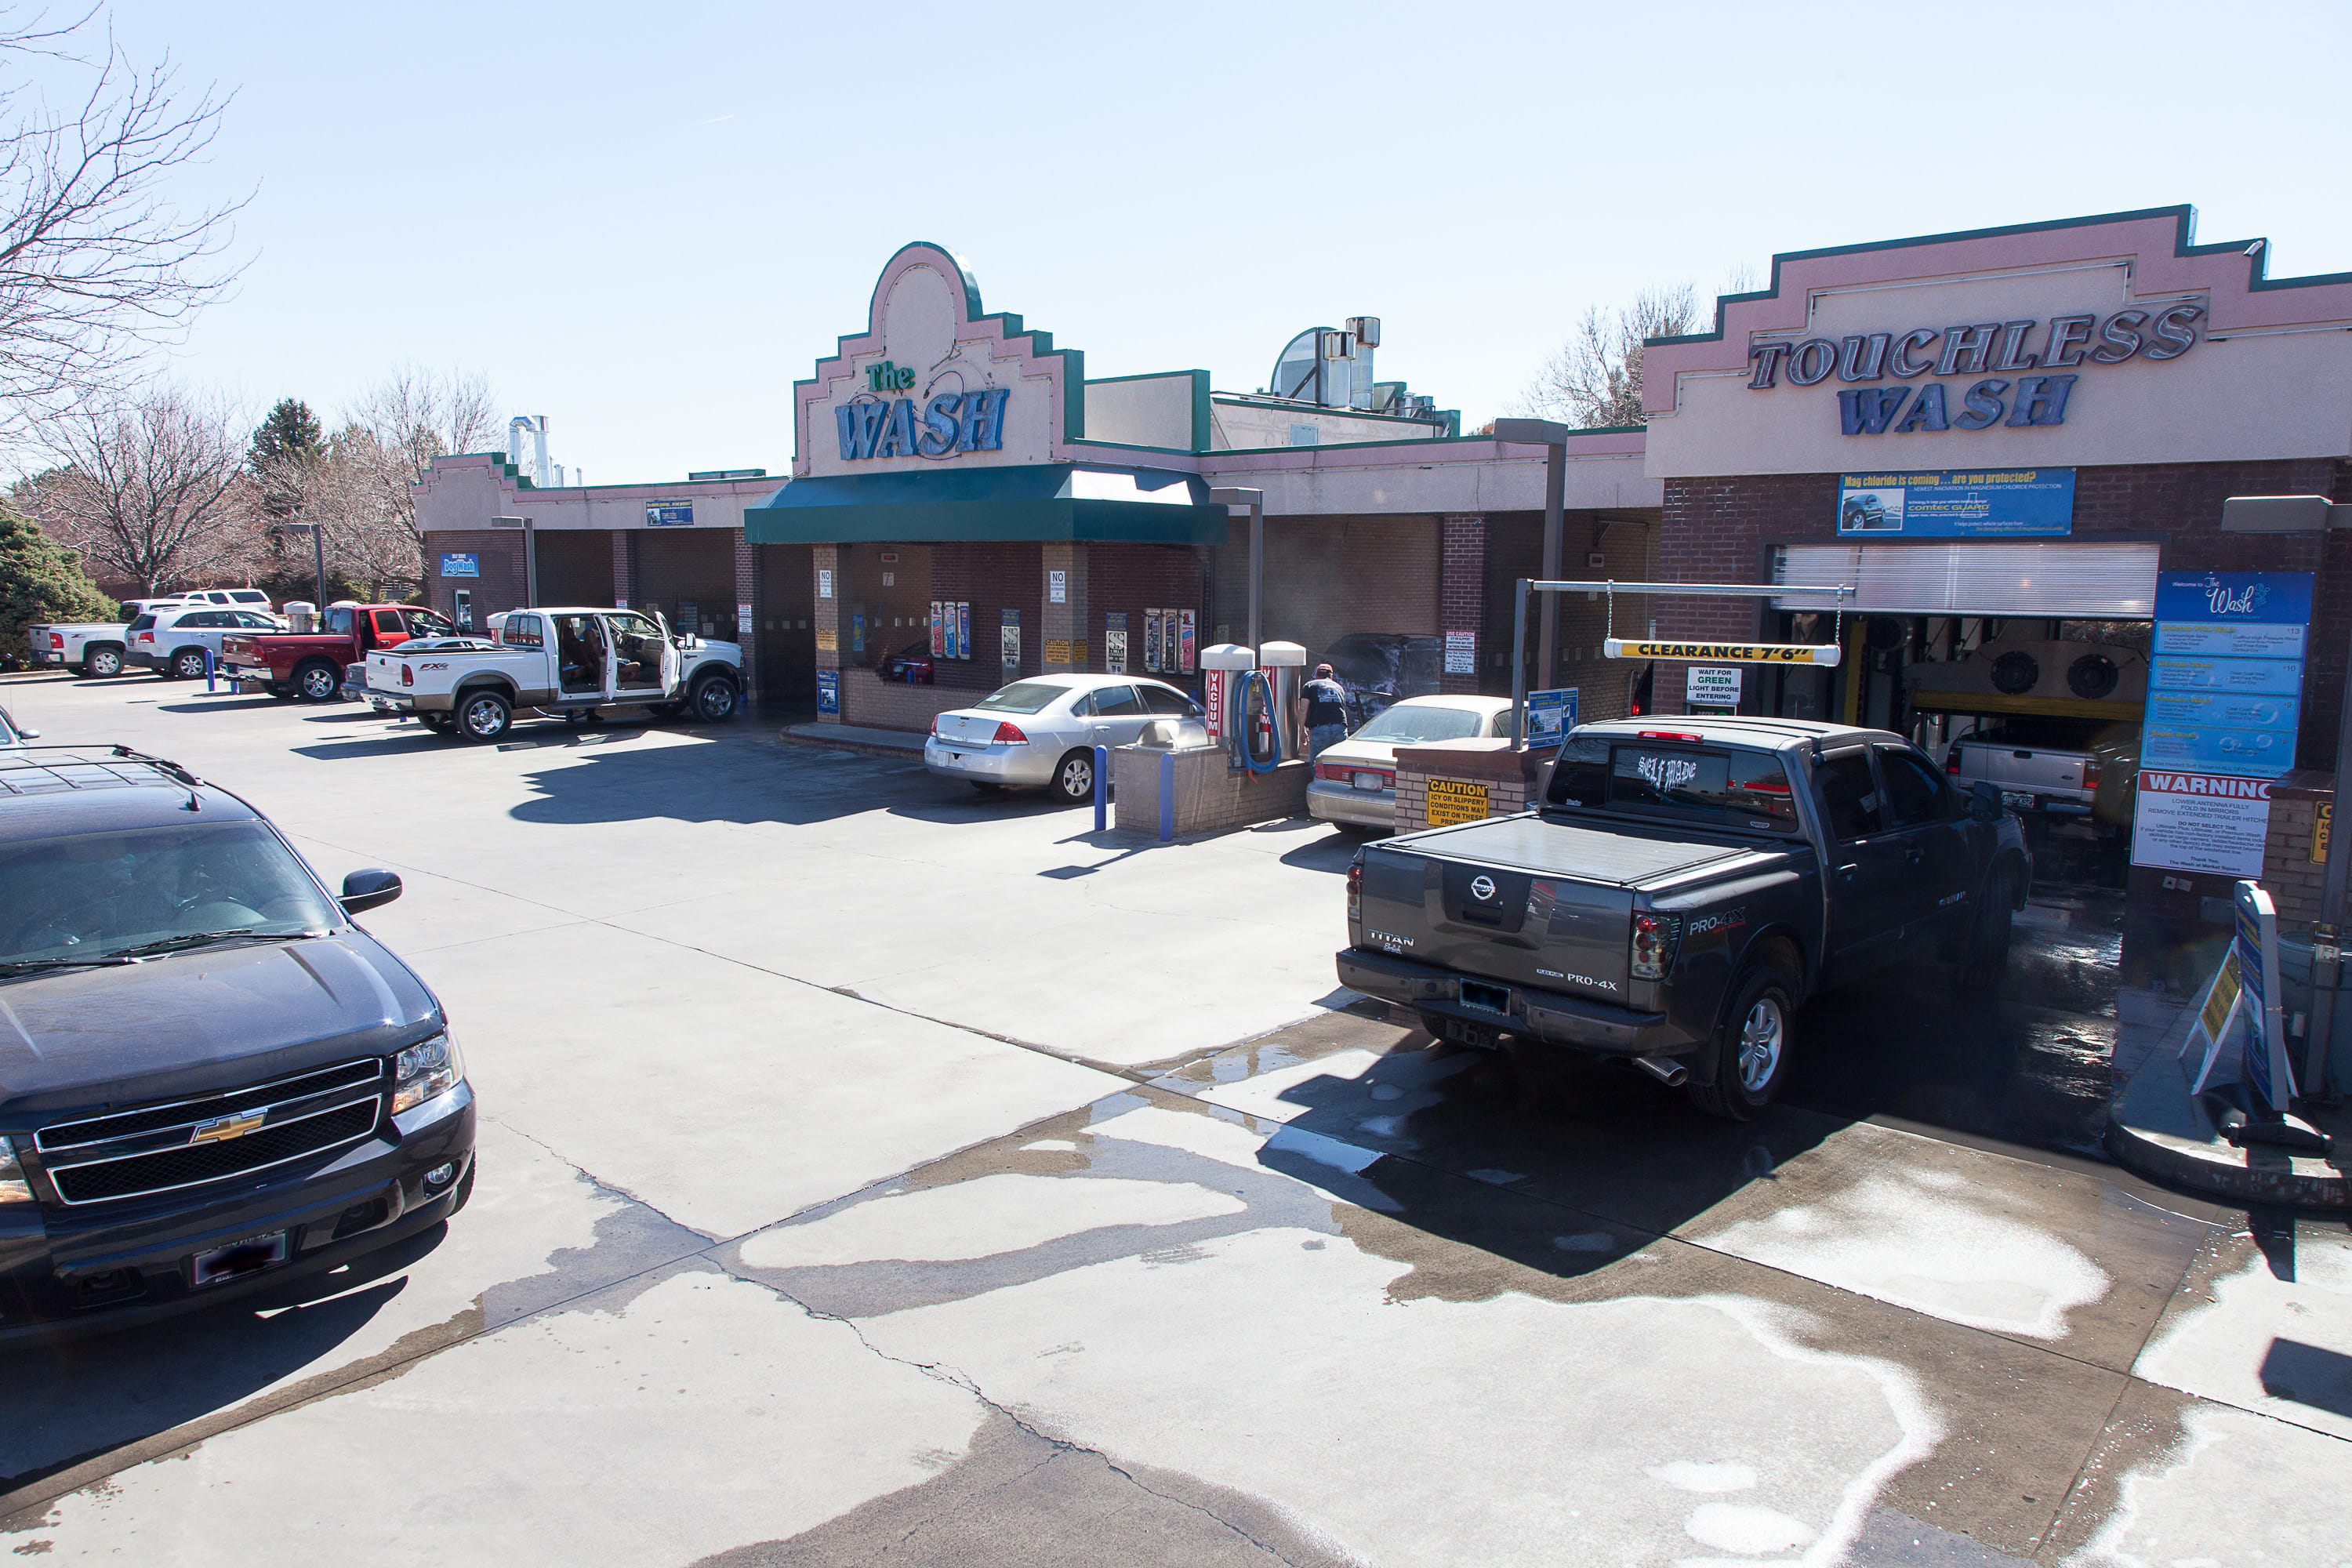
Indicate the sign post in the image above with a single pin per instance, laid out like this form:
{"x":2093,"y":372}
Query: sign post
{"x":2256,"y":949}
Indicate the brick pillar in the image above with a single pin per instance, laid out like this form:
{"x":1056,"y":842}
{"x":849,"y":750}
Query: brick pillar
{"x":1461,"y":592}
{"x":830,"y":592}
{"x":624,"y":568}
{"x":747,"y":609}
{"x":1063,"y":626}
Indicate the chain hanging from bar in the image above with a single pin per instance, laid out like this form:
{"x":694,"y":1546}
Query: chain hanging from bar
{"x":1610,"y":628}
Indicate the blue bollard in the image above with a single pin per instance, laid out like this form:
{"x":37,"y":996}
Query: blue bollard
{"x":1167,"y":797}
{"x":1102,"y":787}
{"x":209,"y":671}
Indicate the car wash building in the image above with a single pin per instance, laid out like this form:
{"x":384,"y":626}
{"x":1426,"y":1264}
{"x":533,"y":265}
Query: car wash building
{"x":966,"y":505}
{"x":2016,"y":444}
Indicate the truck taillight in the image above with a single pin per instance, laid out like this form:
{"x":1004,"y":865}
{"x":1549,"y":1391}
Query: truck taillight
{"x":407,"y":676}
{"x":2091,"y":772}
{"x":1009,"y":735}
{"x":1952,"y":759}
{"x":1670,"y":735}
{"x":1655,"y":937}
{"x":57,"y":639}
{"x":1354,"y":891}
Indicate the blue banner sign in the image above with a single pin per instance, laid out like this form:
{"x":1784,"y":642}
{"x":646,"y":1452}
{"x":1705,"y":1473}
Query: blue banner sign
{"x":1550,"y":716}
{"x":670,"y":514}
{"x":829,"y":691}
{"x":2234,"y":598}
{"x":2225,"y":683}
{"x":1958,"y":504}
{"x":455,"y":565}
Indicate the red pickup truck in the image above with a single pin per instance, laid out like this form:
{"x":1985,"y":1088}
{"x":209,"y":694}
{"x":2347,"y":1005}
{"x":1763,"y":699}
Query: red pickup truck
{"x":310,"y":665}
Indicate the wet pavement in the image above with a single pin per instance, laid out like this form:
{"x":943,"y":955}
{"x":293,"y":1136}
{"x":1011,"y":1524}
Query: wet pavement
{"x":769,"y":1266}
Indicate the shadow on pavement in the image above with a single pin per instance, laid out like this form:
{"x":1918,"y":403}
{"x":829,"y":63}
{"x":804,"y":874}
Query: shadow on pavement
{"x":72,"y":1399}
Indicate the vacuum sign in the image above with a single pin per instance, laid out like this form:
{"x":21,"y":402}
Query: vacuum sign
{"x":2011,"y":362}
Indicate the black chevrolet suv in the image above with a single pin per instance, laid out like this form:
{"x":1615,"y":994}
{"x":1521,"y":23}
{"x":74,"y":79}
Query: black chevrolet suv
{"x":210,"y":1079}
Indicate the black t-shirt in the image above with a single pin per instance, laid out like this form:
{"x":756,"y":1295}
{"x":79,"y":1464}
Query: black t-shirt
{"x":1326,"y":703}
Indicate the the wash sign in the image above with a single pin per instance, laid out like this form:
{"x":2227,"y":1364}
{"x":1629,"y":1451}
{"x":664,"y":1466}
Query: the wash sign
{"x":950,"y":423}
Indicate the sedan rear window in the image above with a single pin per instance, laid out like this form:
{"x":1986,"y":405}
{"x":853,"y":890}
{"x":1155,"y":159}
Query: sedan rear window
{"x":1021,"y":697}
{"x":1726,"y":789}
{"x":1413,"y":724}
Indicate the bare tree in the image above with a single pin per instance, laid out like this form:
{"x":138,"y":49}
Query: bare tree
{"x":154,"y":493}
{"x":97,"y":264}
{"x":1595,"y":378}
{"x":389,"y":438}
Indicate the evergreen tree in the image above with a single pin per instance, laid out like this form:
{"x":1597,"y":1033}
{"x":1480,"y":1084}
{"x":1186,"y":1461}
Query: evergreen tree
{"x":287,"y":445}
{"x":41,"y":580}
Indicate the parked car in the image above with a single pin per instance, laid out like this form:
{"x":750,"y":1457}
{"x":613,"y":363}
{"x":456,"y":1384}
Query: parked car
{"x":173,"y":641}
{"x":1355,"y":781}
{"x":86,"y":647}
{"x":911,"y":664}
{"x":1043,"y":730}
{"x":14,"y":735}
{"x":212,"y":1079}
{"x":1380,"y":668}
{"x":564,"y":662}
{"x":310,"y":665}
{"x":1686,"y":884}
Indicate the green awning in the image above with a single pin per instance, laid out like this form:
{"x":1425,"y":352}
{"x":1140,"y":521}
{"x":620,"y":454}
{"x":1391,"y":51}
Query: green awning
{"x":1050,"y":501}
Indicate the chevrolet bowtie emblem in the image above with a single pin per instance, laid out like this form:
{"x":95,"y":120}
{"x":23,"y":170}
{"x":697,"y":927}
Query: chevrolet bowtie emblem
{"x":222,"y":1128}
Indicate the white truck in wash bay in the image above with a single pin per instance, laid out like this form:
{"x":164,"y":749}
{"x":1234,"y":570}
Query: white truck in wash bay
{"x":562,"y":662}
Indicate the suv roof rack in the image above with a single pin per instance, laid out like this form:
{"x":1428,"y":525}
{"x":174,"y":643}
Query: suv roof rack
{"x":102,"y":765}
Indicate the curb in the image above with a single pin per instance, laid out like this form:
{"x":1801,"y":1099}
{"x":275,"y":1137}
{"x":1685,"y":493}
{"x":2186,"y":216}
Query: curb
{"x":862,"y":748}
{"x":2220,"y":1170}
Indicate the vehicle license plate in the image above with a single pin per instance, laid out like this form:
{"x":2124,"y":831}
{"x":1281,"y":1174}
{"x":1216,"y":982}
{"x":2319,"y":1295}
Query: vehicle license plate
{"x":1371,"y":780}
{"x":238,"y":1258}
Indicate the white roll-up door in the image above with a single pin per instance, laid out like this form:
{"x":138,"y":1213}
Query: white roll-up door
{"x":1976,"y":578}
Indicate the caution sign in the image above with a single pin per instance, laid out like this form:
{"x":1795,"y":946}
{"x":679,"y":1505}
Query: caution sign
{"x":2320,"y":827}
{"x":1452,"y":800}
{"x":1725,"y":652}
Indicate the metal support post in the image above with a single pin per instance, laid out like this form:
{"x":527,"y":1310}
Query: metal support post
{"x":318,"y":562}
{"x":1167,"y":797}
{"x":529,"y":562}
{"x":1519,"y":664}
{"x":1242,"y":495}
{"x":1102,"y":787}
{"x":2327,"y":953}
{"x":1555,"y":494}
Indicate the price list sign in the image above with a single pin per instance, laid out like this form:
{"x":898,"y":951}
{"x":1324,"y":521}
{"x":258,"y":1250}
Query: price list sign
{"x":2224,"y":695}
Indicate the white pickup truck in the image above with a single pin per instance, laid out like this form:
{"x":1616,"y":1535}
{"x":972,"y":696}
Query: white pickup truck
{"x":86,"y":647}
{"x":562,"y":662}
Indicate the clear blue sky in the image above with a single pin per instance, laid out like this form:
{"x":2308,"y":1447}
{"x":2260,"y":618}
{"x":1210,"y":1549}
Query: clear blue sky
{"x":646,"y":221}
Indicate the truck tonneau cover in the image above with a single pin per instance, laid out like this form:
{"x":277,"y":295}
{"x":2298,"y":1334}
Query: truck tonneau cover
{"x":1553,"y":848}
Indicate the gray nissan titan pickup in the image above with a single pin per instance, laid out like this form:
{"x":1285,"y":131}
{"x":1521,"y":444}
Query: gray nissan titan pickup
{"x":210,"y":1079}
{"x":1684,"y":885}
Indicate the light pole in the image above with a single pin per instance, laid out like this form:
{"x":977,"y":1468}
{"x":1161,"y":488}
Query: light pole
{"x":318,"y":554}
{"x":1256,"y":501}
{"x":1552,"y":436}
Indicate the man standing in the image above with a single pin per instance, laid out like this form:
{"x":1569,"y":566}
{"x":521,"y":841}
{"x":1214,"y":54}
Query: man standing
{"x":1326,"y":704}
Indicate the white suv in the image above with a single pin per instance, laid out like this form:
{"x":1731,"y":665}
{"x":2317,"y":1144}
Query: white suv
{"x":173,"y":640}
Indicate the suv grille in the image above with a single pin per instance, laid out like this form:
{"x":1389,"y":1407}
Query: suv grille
{"x":154,"y":1148}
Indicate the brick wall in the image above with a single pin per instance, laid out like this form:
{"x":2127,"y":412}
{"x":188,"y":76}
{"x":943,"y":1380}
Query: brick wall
{"x":500,"y":587}
{"x":1210,"y":796}
{"x":1328,"y":576}
{"x":1129,"y":579}
{"x":575,"y":567}
{"x":747,"y":597}
{"x":624,"y":568}
{"x":877,"y":704}
{"x":1722,"y":529}
{"x":1462,"y":592}
{"x":1509,"y":778}
{"x":994,"y":576}
{"x":1627,"y":545}
{"x":786,"y":587}
{"x":690,"y":567}
{"x":2290,"y":875}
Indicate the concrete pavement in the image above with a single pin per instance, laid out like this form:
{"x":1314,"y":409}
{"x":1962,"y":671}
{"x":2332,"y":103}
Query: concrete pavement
{"x":873,"y":1175}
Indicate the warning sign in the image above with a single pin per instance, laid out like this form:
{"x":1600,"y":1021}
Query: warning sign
{"x":2200,"y":821}
{"x":1452,"y":800}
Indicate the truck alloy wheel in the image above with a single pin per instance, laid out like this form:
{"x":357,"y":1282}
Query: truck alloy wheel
{"x":318,"y":682}
{"x":188,"y":664}
{"x":103,"y":661}
{"x":1074,"y":776}
{"x":1752,"y":1058}
{"x":484,"y":716}
{"x":714,"y":699}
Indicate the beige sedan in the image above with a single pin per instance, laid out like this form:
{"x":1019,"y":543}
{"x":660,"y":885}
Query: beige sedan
{"x":1355,"y":781}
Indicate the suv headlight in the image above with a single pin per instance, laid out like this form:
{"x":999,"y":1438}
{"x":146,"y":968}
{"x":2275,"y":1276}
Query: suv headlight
{"x":13,"y":1188}
{"x":424,"y":1070}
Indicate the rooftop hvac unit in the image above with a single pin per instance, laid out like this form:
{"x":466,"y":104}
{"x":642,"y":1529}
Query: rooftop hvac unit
{"x":1336,"y":345}
{"x":1424,"y":407}
{"x":1367,"y":330}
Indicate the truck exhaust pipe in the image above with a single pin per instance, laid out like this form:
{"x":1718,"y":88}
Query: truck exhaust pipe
{"x":1665,"y":1069}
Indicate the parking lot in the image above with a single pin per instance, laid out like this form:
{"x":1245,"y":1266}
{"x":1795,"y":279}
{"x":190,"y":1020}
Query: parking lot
{"x":875,"y":1172}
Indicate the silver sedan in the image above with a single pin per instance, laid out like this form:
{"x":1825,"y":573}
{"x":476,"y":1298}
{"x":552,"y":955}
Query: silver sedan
{"x":1045,"y":730}
{"x":1355,"y":780}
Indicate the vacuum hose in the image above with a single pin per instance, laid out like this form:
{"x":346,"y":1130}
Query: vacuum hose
{"x":1241,"y":729}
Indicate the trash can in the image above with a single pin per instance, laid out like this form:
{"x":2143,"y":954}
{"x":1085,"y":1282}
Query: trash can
{"x":2294,"y":1007}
